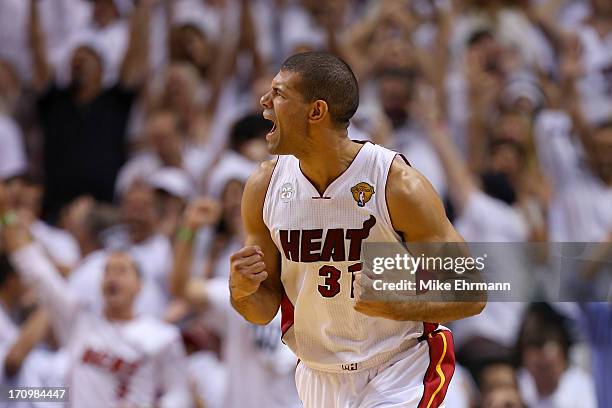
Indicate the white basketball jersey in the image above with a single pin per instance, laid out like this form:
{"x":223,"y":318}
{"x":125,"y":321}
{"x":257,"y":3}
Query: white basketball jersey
{"x":320,"y":239}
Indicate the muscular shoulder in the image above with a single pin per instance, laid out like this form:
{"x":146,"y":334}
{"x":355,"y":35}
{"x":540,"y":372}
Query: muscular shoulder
{"x":258,"y":182}
{"x":414,"y":206}
{"x":405,"y":183}
{"x":255,"y":193}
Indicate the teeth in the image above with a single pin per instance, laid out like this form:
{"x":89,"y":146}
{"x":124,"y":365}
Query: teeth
{"x":273,"y":125}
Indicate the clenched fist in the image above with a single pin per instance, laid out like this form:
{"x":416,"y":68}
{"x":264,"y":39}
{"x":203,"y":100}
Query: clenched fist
{"x":247,"y":271}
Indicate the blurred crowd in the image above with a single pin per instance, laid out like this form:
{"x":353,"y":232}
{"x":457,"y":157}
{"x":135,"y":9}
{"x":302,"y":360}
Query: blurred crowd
{"x":129,"y":127}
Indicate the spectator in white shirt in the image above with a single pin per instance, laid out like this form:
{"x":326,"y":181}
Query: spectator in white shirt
{"x":62,"y":248}
{"x":115,"y":358}
{"x":580,"y":178}
{"x":109,"y":27}
{"x":151,"y":249}
{"x":498,"y":384}
{"x":138,"y":235}
{"x":167,"y":147}
{"x":548,"y":379}
{"x":575,"y":155}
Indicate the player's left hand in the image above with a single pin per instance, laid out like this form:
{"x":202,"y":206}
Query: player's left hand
{"x":364,"y":298}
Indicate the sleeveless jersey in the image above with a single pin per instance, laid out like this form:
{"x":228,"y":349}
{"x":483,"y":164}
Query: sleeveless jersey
{"x":320,"y":239}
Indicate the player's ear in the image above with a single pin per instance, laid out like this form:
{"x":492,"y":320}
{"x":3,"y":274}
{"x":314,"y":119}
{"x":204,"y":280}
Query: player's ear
{"x":318,"y":111}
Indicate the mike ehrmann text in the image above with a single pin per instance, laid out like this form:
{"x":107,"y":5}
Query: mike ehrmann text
{"x":437,"y":285}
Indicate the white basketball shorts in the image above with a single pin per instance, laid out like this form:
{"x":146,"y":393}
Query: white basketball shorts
{"x":415,"y":378}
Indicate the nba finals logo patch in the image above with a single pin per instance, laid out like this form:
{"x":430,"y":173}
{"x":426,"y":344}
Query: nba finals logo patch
{"x":362,"y":193}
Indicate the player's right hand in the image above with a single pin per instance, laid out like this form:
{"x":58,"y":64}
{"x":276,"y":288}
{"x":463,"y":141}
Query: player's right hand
{"x":247,"y":271}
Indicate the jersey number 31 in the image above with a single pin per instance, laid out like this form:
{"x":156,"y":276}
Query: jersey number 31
{"x":332,"y":275}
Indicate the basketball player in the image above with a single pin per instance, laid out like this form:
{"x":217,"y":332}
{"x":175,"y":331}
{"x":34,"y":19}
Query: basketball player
{"x":306,"y":216}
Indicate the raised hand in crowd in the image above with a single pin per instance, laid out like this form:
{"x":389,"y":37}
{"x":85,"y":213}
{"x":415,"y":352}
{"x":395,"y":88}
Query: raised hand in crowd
{"x":200,"y":213}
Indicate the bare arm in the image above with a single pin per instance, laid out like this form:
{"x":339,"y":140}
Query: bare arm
{"x":31,"y":333}
{"x":200,"y":212}
{"x":462,"y":183}
{"x":135,"y":63}
{"x":544,"y":16}
{"x":434,"y":62}
{"x":332,"y":21}
{"x":483,"y":91}
{"x":255,"y":285}
{"x":179,"y":278}
{"x":42,"y":71}
{"x":35,"y":268}
{"x":418,"y":214}
{"x":358,"y":39}
{"x":364,"y":50}
{"x":571,"y":69}
{"x":227,"y":54}
{"x":248,"y":38}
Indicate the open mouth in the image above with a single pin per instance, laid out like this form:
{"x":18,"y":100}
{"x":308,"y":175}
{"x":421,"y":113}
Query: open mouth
{"x":111,"y":290}
{"x":272,"y":130}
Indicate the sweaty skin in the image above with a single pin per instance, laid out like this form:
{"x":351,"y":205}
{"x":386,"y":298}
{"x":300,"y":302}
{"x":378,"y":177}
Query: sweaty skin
{"x":416,"y":212}
{"x":255,"y":282}
{"x":418,"y":215}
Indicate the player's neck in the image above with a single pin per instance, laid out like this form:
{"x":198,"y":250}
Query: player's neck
{"x":325,"y":162}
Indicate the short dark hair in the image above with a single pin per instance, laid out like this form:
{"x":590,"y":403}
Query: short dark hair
{"x":542,"y":323}
{"x":249,"y":127}
{"x":325,"y":76}
{"x":479,"y":35}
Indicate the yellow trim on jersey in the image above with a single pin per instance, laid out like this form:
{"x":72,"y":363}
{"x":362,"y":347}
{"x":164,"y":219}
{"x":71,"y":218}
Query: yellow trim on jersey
{"x":439,"y":370}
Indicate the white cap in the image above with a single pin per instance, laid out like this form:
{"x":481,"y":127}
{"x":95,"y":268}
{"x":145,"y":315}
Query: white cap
{"x":173,"y":181}
{"x":523,"y":86}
